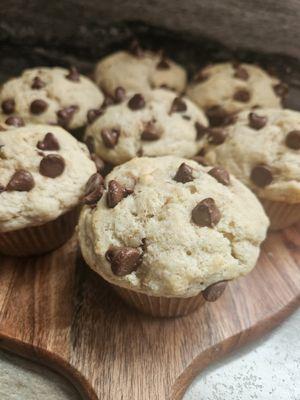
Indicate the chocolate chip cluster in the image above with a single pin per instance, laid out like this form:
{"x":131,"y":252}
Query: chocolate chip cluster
{"x":151,"y":131}
{"x":125,"y":260}
{"x":39,"y":106}
{"x":220,"y":114}
{"x":262,"y":174}
{"x":51,"y":166}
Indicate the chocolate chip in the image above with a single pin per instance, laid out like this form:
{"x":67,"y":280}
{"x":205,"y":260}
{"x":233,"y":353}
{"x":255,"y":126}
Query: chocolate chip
{"x":120,"y":94}
{"x":94,"y":189}
{"x":281,"y":89}
{"x":37,"y":83}
{"x":48,"y":143}
{"x":200,"y":160}
{"x":8,"y":106}
{"x":178,"y":105}
{"x":184,"y":174}
{"x":124,"y":260}
{"x":38,"y":106}
{"x":90,"y":142}
{"x":218,"y":116}
{"x":135,"y":49}
{"x":201,"y":152}
{"x":221,"y":175}
{"x":52,"y":166}
{"x":15,"y":121}
{"x":163,"y":64}
{"x":151,"y":132}
{"x":200,"y":77}
{"x":201,"y":130}
{"x":257,"y":121}
{"x":115,"y":193}
{"x":73,"y":75}
{"x":214,"y":291}
{"x":292,"y":140}
{"x":216,"y":136}
{"x":242,"y":95}
{"x":65,"y":115}
{"x":127,"y":192}
{"x":206,"y":213}
{"x":241,"y":73}
{"x":100,"y":165}
{"x":137,"y":102}
{"x":93,"y":114}
{"x":108,"y":101}
{"x":110,"y":137}
{"x":21,"y":181}
{"x":187,"y":117}
{"x":261,"y":175}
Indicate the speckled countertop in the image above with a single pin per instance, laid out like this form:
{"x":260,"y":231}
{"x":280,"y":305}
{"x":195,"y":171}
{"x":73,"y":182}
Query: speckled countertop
{"x":266,"y":370}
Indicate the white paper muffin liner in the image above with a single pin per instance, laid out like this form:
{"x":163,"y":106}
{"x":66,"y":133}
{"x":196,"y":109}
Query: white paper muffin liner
{"x":40,"y":239}
{"x":281,"y":214}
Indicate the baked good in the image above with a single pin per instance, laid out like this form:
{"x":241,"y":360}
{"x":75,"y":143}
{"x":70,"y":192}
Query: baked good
{"x":43,"y":174}
{"x":154,"y":123}
{"x":138,"y":71}
{"x":224,"y":89}
{"x":262,"y":150}
{"x":169,"y":233}
{"x":50,"y":96}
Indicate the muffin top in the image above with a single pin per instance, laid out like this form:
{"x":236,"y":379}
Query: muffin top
{"x":154,"y":123}
{"x":224,"y":89}
{"x":170,"y":227}
{"x":43,"y":173}
{"x":50,"y":96}
{"x":262,"y":149}
{"x":139,"y":71}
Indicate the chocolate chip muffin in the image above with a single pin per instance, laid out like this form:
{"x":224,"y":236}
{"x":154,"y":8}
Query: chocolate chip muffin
{"x":168,"y":233}
{"x":224,"y":89}
{"x":262,"y":149}
{"x":154,"y":123}
{"x":50,"y":96}
{"x":137,"y":71}
{"x":43,"y":174}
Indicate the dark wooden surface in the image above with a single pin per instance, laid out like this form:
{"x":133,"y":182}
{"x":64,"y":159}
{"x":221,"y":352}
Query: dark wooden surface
{"x":55,"y":310}
{"x":260,"y":25}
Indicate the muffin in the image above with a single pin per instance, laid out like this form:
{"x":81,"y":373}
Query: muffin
{"x":154,"y":123}
{"x":168,"y":233}
{"x":43,"y":174}
{"x":262,"y":149}
{"x":137,"y":71}
{"x":54,"y":96}
{"x":224,"y":89}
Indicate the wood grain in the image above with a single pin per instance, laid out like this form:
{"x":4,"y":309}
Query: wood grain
{"x":54,"y":309}
{"x":250,"y":24}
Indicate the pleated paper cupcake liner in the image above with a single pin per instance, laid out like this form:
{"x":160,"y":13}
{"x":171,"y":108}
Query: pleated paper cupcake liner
{"x":40,"y":239}
{"x":282,"y":215}
{"x":160,"y":306}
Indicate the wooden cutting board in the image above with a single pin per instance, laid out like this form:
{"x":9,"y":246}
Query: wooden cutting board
{"x":54,"y":309}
